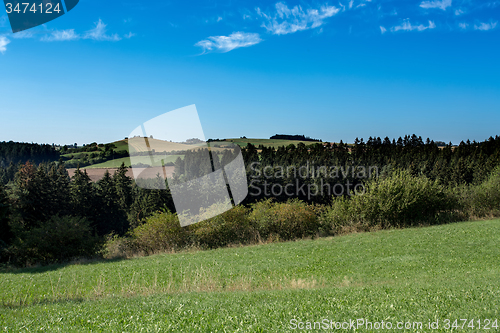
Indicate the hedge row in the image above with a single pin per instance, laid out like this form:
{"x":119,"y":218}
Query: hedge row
{"x":399,"y":200}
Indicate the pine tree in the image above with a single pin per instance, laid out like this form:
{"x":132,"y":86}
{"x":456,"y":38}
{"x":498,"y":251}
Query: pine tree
{"x":109,"y":215}
{"x":82,"y":195}
{"x":123,"y":185}
{"x":5,"y":231}
{"x":31,"y":190}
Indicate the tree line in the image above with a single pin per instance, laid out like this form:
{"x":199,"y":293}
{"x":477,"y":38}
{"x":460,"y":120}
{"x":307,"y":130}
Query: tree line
{"x":43,"y":211}
{"x":43,"y":196}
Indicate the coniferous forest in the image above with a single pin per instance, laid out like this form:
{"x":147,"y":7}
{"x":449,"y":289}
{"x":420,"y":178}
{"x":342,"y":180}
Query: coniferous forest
{"x":295,"y":191}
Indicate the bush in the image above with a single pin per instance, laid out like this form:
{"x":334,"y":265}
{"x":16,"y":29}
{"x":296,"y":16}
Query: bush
{"x":59,"y":239}
{"x":117,"y":247}
{"x":396,"y":201}
{"x":482,"y":200}
{"x":161,"y":232}
{"x":231,"y":227}
{"x":341,"y":217}
{"x":289,"y":220}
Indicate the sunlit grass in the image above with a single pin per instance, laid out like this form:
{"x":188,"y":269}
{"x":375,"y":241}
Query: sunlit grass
{"x":447,"y":271}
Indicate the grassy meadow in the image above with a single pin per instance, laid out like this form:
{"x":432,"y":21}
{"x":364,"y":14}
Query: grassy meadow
{"x":412,"y":275}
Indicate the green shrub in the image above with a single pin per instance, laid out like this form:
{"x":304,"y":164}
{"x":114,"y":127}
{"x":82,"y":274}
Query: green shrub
{"x":341,"y":217}
{"x":395,"y":201}
{"x":289,"y":220}
{"x":482,"y":200}
{"x":231,"y":227}
{"x":61,"y":238}
{"x":118,"y":247}
{"x":161,"y":232}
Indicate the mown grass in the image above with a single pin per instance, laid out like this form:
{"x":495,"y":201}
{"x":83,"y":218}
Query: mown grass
{"x":420,"y":274}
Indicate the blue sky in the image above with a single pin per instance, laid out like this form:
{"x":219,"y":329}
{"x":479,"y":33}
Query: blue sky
{"x":330,"y":70}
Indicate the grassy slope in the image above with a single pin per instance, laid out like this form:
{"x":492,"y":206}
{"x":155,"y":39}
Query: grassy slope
{"x":159,"y":145}
{"x":448,"y":271}
{"x":139,"y":159}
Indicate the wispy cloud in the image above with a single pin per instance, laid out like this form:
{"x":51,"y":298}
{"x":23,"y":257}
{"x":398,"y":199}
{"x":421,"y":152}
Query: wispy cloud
{"x":61,"y":36}
{"x":486,"y":26}
{"x":286,"y":20}
{"x":228,"y":43}
{"x":23,"y":34}
{"x":4,"y":41}
{"x":3,"y":21}
{"x":130,"y":35}
{"x":99,"y":33}
{"x":382,"y":30}
{"x":459,"y":12}
{"x":407,"y":26}
{"x":443,"y":4}
{"x":463,"y":26}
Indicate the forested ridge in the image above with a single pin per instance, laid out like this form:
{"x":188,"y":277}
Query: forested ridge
{"x":15,"y":152}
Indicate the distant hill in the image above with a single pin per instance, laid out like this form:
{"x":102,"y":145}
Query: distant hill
{"x":138,"y":144}
{"x":242,"y":142}
{"x":293,"y":137}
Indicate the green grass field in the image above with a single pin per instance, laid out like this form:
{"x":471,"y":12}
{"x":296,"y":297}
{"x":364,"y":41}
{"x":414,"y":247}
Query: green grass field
{"x":121,"y":145}
{"x":410,"y":275}
{"x":139,"y":159}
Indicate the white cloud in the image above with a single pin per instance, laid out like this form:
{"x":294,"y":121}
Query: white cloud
{"x":61,"y":36}
{"x":228,"y":43}
{"x":219,"y":19}
{"x":485,"y":26}
{"x":99,"y":33}
{"x":443,"y":4}
{"x":351,"y":3}
{"x":382,"y":30}
{"x":407,"y":26}
{"x":459,"y":12}
{"x":3,"y":44}
{"x":463,"y":26}
{"x":287,"y":20}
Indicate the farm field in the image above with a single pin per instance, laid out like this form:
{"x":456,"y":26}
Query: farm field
{"x":139,"y":145}
{"x":95,"y":173}
{"x":408,"y":275}
{"x":137,"y":159}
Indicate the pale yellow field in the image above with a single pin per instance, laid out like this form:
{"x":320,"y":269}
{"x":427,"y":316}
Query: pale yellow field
{"x":138,"y":144}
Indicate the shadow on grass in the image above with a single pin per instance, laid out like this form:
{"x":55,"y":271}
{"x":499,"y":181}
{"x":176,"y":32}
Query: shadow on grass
{"x":37,"y":269}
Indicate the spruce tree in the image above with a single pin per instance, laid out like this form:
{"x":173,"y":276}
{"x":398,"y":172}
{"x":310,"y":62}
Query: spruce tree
{"x":5,"y":231}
